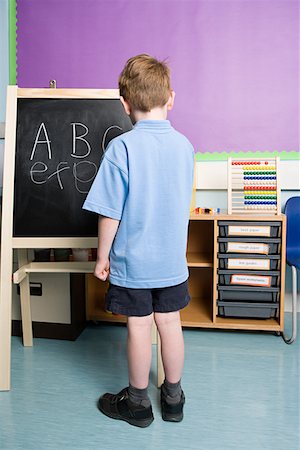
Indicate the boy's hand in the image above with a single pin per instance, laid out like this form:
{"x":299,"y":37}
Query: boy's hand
{"x":102,"y":269}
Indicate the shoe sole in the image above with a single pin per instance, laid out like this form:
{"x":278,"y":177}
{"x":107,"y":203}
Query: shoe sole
{"x":172,"y":418}
{"x":143,"y":423}
{"x":168,"y":416}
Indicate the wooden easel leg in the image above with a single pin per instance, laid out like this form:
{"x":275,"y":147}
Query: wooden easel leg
{"x":6,"y":237}
{"x":25,"y":301}
{"x":5,"y":322}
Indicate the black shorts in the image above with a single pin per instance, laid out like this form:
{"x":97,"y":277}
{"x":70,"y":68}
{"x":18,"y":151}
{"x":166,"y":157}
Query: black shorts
{"x":143,"y":302}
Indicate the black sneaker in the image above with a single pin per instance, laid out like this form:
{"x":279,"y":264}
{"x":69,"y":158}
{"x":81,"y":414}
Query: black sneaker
{"x":120,"y":407}
{"x":171,"y":412}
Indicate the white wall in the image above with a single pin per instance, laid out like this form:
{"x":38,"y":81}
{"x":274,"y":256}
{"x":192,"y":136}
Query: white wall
{"x":54,"y":305}
{"x":213,"y":175}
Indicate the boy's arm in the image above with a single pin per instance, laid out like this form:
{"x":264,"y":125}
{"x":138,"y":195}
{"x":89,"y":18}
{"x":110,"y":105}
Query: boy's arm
{"x":107,"y":229}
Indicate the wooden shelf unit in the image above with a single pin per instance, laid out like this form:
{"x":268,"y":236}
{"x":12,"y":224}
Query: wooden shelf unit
{"x":95,"y":295}
{"x":202,"y":258}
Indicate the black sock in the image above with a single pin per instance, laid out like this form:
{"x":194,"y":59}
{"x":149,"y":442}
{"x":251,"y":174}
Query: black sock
{"x":139,"y":396}
{"x":172,"y":391}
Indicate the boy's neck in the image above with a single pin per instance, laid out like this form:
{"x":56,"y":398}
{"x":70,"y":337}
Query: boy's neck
{"x":155,"y":114}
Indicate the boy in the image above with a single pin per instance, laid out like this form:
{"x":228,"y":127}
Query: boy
{"x":142,"y":193}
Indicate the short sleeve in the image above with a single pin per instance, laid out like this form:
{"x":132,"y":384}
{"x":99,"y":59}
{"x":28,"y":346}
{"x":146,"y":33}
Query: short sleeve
{"x":109,"y":190}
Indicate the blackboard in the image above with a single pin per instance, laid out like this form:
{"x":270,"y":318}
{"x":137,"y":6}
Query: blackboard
{"x":59,"y":146}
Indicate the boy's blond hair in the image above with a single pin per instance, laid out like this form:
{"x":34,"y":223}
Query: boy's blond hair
{"x":145,"y":83}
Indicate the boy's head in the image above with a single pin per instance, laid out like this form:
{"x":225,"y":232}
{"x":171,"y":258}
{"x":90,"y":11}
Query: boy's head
{"x":145,"y":83}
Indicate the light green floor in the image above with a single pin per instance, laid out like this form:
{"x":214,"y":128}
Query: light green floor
{"x":242,"y":392}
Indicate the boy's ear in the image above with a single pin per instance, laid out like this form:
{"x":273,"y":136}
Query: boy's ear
{"x":126,"y":105}
{"x":171,"y":100}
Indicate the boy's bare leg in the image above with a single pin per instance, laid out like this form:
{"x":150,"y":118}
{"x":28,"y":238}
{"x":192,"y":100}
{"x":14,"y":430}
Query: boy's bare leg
{"x":139,"y":350}
{"x":132,"y":404}
{"x":172,"y":353}
{"x":172,"y":344}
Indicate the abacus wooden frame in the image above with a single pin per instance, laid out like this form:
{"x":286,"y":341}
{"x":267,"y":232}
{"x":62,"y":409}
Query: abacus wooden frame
{"x":231,"y":189}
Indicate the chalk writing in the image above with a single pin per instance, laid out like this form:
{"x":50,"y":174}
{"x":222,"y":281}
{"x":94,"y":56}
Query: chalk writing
{"x":37,"y":141}
{"x":83,"y":172}
{"x":76,"y":176}
{"x":57,"y":173}
{"x":75,"y":138}
{"x":105,"y":135}
{"x":34,"y":170}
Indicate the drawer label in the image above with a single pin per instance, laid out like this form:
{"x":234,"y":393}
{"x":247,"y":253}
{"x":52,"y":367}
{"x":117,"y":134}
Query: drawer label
{"x":247,"y":247}
{"x":251,"y":280}
{"x":254,"y":230}
{"x":260,"y":264}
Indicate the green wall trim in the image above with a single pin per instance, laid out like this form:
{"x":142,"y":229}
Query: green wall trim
{"x":12,"y":42}
{"x":223,"y":156}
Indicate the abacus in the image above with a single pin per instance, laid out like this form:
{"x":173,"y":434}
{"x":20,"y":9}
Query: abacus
{"x":253,"y":186}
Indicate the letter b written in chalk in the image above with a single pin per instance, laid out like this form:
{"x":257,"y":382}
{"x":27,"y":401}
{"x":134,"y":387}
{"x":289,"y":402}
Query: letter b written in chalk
{"x":75,"y":126}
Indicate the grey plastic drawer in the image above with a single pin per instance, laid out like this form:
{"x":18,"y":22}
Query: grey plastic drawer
{"x":249,"y":278}
{"x":248,"y":310}
{"x":244,"y":261}
{"x":254,"y":245}
{"x":249,"y":229}
{"x":248,"y":294}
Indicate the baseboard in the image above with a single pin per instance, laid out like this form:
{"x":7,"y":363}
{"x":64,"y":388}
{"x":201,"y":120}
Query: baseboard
{"x":288,"y":302}
{"x":47,"y":330}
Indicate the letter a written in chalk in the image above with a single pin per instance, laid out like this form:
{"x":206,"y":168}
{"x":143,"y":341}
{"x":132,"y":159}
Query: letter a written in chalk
{"x":44,"y":140}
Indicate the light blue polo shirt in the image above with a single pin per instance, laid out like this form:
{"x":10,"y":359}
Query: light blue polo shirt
{"x":145,"y":180}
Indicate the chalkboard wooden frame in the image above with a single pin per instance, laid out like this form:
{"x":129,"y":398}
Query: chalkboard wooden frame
{"x":9,"y":242}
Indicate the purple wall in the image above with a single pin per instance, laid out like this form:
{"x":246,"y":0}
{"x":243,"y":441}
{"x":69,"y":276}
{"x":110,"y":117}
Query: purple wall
{"x":234,"y":63}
